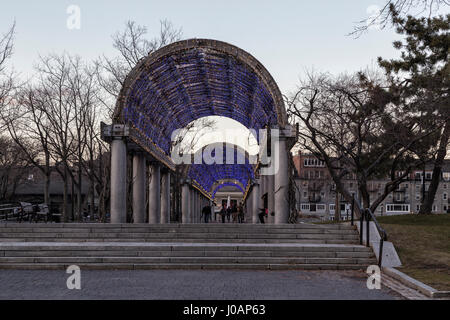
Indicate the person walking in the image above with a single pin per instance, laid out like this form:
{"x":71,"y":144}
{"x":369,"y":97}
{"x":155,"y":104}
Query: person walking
{"x":206,"y":212}
{"x":234,"y":213}
{"x":223,"y":213}
{"x":228,"y":213}
{"x":262,"y":213}
{"x":240,"y":212}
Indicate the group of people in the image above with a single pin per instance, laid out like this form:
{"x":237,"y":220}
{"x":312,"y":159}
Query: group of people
{"x":232,"y":212}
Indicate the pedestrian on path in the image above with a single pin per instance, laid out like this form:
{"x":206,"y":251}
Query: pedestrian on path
{"x":223,"y":213}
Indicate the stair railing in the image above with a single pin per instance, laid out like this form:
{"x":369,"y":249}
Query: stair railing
{"x":368,"y":215}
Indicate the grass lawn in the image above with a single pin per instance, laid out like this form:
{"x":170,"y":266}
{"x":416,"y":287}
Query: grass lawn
{"x":423,"y":244}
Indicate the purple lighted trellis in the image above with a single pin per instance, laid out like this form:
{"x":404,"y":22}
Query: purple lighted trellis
{"x":189,"y":84}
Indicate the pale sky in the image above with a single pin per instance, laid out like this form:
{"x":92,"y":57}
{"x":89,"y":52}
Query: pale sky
{"x":286,"y":36}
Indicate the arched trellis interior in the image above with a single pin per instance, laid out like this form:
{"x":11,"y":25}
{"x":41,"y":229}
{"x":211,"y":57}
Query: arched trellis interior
{"x":226,"y":184}
{"x":169,"y":89}
{"x":236,"y":165}
{"x":191,"y":79}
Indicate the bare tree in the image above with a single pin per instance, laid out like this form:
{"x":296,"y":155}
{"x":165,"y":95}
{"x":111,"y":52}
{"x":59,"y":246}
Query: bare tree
{"x":401,"y":7}
{"x":28,"y":125}
{"x":131,"y":45}
{"x":14,"y":167}
{"x":351,"y":123}
{"x":6,"y":77}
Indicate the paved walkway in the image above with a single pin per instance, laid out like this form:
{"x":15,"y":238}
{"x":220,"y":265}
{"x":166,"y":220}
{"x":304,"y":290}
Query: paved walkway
{"x":194,"y":284}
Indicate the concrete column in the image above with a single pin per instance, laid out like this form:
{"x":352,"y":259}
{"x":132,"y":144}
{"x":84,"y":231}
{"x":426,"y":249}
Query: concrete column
{"x":255,"y":202}
{"x":270,"y":198}
{"x":154,"y":194}
{"x":139,"y":188}
{"x":165,"y":197}
{"x":249,"y":213}
{"x":192,"y":206}
{"x":262,"y":190}
{"x":281,"y":182}
{"x":198,"y":207}
{"x":118,"y":181}
{"x":185,"y":203}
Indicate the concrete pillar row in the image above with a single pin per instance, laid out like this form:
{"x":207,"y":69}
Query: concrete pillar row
{"x":249,"y":215}
{"x":139,"y":205}
{"x":118,"y":181}
{"x":165,"y":197}
{"x":185,"y":203}
{"x":256,"y":203}
{"x":281,"y":182}
{"x":270,"y":198}
{"x":154,"y":201}
{"x":262,"y":190}
{"x":192,"y":206}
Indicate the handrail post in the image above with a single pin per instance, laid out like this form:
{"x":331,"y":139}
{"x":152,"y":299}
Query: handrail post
{"x":367,"y":229}
{"x":361,"y":227}
{"x":380,"y":257}
{"x":353,"y":208}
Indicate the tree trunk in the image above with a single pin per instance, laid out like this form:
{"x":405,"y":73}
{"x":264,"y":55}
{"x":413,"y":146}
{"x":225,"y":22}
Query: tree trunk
{"x":65,"y":191}
{"x":427,"y":201}
{"x":337,"y":207}
{"x":47,"y":188}
{"x":79,"y":199}
{"x":92,"y":197}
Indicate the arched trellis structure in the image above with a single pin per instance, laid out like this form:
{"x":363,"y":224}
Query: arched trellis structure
{"x":234,"y":164}
{"x":223,"y":184}
{"x":169,"y":89}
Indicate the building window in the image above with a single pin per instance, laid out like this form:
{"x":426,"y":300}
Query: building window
{"x":444,"y":186}
{"x":320,"y":207}
{"x":434,"y":208}
{"x":428,"y":175}
{"x":444,"y":196}
{"x":305,"y":194}
{"x":417,"y":196}
{"x":397,"y":208}
{"x":446,"y":176}
{"x":305,"y":206}
{"x":30,"y":177}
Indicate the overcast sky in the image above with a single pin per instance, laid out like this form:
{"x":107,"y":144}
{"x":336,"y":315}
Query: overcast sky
{"x":287,"y":36}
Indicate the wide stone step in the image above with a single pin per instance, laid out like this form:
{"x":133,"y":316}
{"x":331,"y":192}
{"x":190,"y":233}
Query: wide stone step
{"x":181,"y":266}
{"x":198,"y":260}
{"x":230,"y":233}
{"x":249,"y":241}
{"x":218,"y":227}
{"x":350,"y":236}
{"x":165,"y":246}
{"x":177,"y":253}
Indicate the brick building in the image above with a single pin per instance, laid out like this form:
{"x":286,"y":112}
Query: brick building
{"x":316,"y":190}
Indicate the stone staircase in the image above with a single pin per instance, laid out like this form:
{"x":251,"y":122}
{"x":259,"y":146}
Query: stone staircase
{"x":181,"y":246}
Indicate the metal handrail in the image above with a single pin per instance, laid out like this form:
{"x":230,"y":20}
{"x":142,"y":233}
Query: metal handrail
{"x":368,"y":215}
